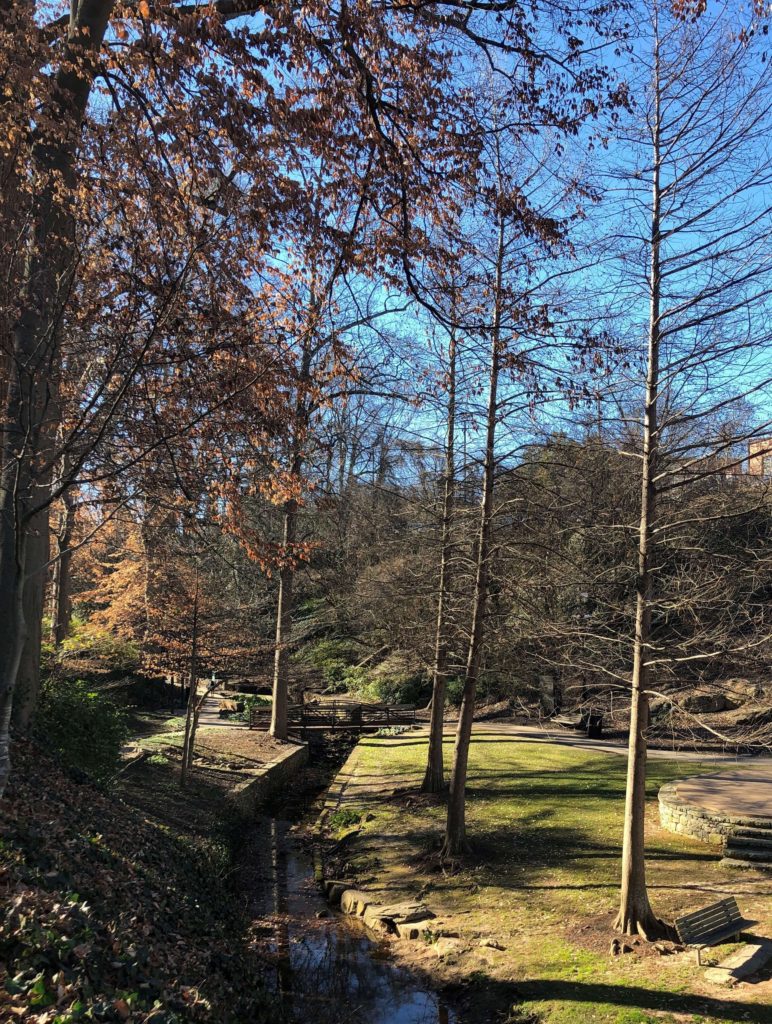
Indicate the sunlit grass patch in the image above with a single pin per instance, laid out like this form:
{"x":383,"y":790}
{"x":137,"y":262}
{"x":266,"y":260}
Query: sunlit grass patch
{"x":544,"y":822}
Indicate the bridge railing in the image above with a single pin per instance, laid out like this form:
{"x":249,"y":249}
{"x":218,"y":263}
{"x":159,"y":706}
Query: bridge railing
{"x":343,"y":715}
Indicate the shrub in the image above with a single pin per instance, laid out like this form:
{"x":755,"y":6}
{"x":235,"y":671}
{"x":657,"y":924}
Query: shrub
{"x":250,"y":701}
{"x":344,"y":818}
{"x":83,"y":725}
{"x":388,"y":689}
{"x":486,"y":690}
{"x":455,"y":690}
{"x":333,"y":658}
{"x":88,"y":641}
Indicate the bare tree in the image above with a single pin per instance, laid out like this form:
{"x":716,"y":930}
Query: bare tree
{"x":434,"y":777}
{"x":702,"y":150}
{"x":455,"y":833}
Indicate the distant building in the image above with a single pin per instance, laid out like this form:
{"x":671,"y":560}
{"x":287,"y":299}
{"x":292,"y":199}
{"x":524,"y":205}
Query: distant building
{"x":760,"y":457}
{"x":756,"y":467}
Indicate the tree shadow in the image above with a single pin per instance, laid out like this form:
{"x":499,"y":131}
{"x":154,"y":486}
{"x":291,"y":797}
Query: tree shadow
{"x":538,"y":989}
{"x":537,"y":847}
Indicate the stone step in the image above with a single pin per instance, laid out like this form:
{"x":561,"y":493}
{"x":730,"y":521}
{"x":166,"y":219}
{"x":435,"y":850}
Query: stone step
{"x":763,"y":830}
{"x":743,"y":963}
{"x":737,"y":862}
{"x":754,"y":853}
{"x":752,"y":842}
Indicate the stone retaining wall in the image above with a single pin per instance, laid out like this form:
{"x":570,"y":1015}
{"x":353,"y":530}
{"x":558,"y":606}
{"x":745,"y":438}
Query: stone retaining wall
{"x":249,"y":795}
{"x":678,"y":816}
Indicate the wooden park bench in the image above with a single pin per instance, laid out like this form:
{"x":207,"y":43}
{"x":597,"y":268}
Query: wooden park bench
{"x":589,"y":723}
{"x":569,"y":721}
{"x":711,"y":925}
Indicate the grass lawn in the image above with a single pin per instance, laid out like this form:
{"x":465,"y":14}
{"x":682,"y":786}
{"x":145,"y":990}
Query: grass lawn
{"x":545,"y":822}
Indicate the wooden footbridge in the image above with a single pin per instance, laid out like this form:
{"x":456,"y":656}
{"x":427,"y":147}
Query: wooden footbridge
{"x":337,"y":716}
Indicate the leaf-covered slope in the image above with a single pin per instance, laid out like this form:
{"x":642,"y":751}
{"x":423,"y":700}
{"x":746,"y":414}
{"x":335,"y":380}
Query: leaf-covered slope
{"x":109,"y":916}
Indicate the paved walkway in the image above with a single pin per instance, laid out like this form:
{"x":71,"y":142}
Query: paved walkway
{"x":746,"y":791}
{"x":209,"y":716}
{"x":569,"y":738}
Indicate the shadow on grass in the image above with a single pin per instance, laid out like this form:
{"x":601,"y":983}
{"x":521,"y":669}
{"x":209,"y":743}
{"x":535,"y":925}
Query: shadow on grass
{"x":535,"y":847}
{"x":520,"y":857}
{"x":538,"y":990}
{"x":374,"y":741}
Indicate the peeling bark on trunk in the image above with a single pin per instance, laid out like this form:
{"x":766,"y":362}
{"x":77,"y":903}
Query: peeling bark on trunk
{"x":434,"y":777}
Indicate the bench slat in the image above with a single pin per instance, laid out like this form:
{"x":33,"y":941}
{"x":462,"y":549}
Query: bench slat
{"x":703,"y":919}
{"x":706,"y":925}
{"x":723,"y":906}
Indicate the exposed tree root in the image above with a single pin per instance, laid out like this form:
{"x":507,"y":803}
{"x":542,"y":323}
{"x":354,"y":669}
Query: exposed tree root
{"x":645,"y":924}
{"x":452,"y":860}
{"x":434,"y":783}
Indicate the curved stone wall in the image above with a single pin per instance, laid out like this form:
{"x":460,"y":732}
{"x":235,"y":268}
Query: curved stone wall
{"x":690,"y":820}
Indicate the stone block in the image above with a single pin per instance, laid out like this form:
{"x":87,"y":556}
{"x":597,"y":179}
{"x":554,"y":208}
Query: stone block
{"x":375,"y":921}
{"x":389,"y":918}
{"x":747,"y":961}
{"x":354,"y":901}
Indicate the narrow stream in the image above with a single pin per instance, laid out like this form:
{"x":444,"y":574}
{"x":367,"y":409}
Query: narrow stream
{"x":328,"y":969}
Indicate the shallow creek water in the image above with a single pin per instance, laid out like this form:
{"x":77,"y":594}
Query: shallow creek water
{"x":327,"y":970}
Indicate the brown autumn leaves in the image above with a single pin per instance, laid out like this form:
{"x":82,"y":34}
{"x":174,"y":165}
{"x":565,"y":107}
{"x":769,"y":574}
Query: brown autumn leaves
{"x":182,"y":187}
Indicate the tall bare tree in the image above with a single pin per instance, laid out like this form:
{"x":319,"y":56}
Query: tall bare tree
{"x":702,"y":152}
{"x":455,"y":831}
{"x":434,"y":777}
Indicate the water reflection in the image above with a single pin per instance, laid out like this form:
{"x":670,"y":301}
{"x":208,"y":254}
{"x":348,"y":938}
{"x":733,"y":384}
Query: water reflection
{"x":328,"y":970}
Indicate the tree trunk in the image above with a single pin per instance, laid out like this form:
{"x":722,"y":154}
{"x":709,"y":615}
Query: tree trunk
{"x":32,"y":358}
{"x":635,"y":914}
{"x":455,"y":844}
{"x":279,"y":728}
{"x":61,"y":598}
{"x":12,"y":634}
{"x":284,"y":627}
{"x":28,"y":674}
{"x":191,"y":714}
{"x":434,"y":777}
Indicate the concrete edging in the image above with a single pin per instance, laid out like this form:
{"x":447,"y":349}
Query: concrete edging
{"x":249,"y":795}
{"x":336,"y":789}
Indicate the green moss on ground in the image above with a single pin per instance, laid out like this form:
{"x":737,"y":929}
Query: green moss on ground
{"x":545,"y":823}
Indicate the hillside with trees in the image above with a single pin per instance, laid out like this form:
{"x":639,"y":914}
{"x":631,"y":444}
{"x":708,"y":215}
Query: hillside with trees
{"x":400,"y":354}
